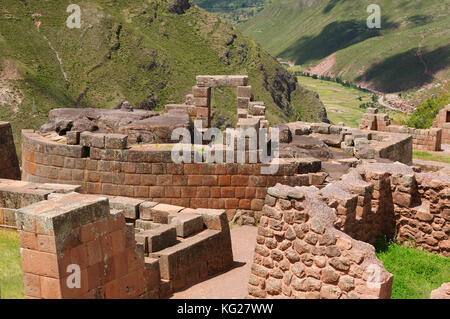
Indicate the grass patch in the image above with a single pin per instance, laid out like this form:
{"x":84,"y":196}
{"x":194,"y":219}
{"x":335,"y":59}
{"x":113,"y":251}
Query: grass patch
{"x":431,"y":157}
{"x":416,"y":272}
{"x":11,"y":279}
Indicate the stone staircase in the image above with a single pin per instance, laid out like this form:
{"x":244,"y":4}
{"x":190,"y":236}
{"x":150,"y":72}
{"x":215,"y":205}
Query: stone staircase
{"x":181,"y":246}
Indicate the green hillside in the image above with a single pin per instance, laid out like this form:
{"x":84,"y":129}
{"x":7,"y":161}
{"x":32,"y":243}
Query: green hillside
{"x":140,"y":51}
{"x":236,"y":11}
{"x":410,"y":51}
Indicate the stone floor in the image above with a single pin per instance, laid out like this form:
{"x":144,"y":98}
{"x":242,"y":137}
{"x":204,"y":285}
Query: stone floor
{"x":233,"y":283}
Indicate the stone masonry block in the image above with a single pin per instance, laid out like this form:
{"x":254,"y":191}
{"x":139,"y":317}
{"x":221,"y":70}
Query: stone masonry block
{"x":73,"y":138}
{"x":221,"y":80}
{"x":90,"y":139}
{"x":145,"y":210}
{"x":187,"y":224}
{"x":215,"y":219}
{"x":244,"y":91}
{"x":160,"y":213}
{"x":129,"y":206}
{"x":158,"y":239}
{"x":116,"y":141}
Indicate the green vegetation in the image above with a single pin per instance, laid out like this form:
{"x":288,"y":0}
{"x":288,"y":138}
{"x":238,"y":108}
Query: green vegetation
{"x":426,"y":113}
{"x":342,"y":103}
{"x":411,"y":50}
{"x":11,"y":280}
{"x":416,"y":272}
{"x":431,"y":157}
{"x":131,"y":50}
{"x":236,"y":11}
{"x":346,"y":103}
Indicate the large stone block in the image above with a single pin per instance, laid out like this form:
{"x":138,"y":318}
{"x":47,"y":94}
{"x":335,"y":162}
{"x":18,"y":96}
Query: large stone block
{"x":129,"y":206}
{"x":89,"y":139}
{"x":187,"y":224}
{"x":158,"y":238}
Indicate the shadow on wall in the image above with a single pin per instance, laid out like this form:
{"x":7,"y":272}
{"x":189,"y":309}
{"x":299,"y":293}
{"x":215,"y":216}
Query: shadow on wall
{"x":335,"y":36}
{"x":407,"y":70}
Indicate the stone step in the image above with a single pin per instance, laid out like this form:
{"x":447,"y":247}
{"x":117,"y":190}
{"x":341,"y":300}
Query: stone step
{"x":189,"y":260}
{"x":157,"y":239}
{"x":187,"y":224}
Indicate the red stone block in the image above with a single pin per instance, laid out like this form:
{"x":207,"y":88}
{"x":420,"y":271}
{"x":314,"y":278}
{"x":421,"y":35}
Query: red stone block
{"x":46,"y":243}
{"x":216,"y":192}
{"x":118,"y":241}
{"x":87,"y":233}
{"x":228,"y":192}
{"x":142,"y":191}
{"x":156,"y":191}
{"x":245,"y":204}
{"x":188,"y":191}
{"x":79,"y":256}
{"x":173,"y":191}
{"x":50,"y":288}
{"x":95,"y":255}
{"x":224,"y":180}
{"x":203,"y":192}
{"x":240,"y":192}
{"x":195,"y":180}
{"x":32,"y":285}
{"x":239,"y":180}
{"x":231,"y":203}
{"x":27,"y":240}
{"x":121,"y":264}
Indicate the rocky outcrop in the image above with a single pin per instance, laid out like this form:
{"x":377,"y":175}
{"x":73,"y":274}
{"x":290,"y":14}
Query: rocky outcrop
{"x":442,"y":292}
{"x":92,"y":120}
{"x":179,"y":6}
{"x":9,"y":164}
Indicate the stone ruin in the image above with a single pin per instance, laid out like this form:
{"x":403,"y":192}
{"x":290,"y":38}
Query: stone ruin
{"x":100,"y":189}
{"x":312,"y":243}
{"x":443,"y":122}
{"x":423,"y":140}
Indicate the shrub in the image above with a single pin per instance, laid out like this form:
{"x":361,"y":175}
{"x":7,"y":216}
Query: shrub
{"x":426,"y":113}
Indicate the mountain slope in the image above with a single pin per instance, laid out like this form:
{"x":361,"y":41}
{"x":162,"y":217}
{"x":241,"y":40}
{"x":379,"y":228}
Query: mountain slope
{"x":140,"y":51}
{"x":236,"y":11}
{"x":409,"y":52}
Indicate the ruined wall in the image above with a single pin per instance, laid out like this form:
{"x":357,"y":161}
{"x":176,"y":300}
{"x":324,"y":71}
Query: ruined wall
{"x":9,"y":164}
{"x":443,"y":122}
{"x":423,"y":140}
{"x":390,"y":200}
{"x":300,"y":254}
{"x":307,"y":243}
{"x":106,"y":166}
{"x":359,"y":143}
{"x":17,"y":194}
{"x":82,"y":230}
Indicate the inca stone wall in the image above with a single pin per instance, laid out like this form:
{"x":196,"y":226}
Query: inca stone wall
{"x":104,"y":164}
{"x":17,"y":194}
{"x":423,"y":140}
{"x":300,"y":254}
{"x":114,"y":258}
{"x":376,"y":200}
{"x":308,"y":239}
{"x":9,"y":164}
{"x":443,"y":122}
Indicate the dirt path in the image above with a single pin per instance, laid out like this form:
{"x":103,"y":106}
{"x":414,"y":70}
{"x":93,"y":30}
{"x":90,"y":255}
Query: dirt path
{"x":233,"y":283}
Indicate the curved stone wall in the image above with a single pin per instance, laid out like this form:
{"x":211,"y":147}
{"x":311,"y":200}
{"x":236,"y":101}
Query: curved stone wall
{"x":147,"y":171}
